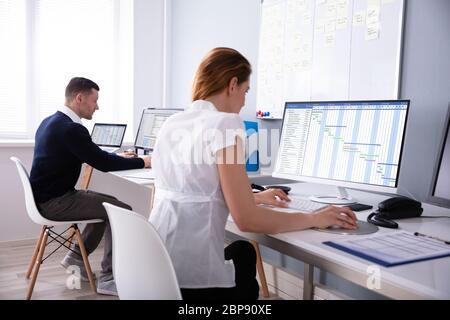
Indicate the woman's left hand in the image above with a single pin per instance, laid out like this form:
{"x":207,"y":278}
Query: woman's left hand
{"x":273,"y":197}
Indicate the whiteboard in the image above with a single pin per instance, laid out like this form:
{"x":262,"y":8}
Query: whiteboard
{"x":316,"y":50}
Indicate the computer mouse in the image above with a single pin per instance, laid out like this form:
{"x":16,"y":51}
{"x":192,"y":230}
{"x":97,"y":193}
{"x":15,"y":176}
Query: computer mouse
{"x":284,"y":188}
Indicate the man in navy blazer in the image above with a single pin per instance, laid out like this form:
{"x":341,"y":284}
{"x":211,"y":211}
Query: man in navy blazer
{"x":62,"y":145}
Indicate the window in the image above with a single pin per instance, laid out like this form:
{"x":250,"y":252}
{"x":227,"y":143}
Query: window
{"x":57,"y":41}
{"x":13,"y":68}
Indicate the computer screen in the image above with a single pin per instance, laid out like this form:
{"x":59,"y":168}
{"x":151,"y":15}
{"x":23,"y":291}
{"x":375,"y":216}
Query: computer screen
{"x":108,"y":134}
{"x":355,"y":144}
{"x":151,"y":122}
{"x":440,"y":186}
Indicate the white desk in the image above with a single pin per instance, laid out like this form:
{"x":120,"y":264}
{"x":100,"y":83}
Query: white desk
{"x":134,"y":176}
{"x":421,"y":280}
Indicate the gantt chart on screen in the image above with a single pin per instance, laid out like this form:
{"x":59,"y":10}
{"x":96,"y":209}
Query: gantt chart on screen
{"x":356,"y":142}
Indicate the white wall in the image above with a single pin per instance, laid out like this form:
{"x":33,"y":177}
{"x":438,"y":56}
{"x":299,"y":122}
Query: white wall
{"x":15,"y":223}
{"x":425,"y":80}
{"x":197,"y":26}
{"x":148,"y":56}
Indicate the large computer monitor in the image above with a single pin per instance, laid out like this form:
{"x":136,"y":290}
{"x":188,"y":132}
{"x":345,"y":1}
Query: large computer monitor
{"x":151,"y":122}
{"x":355,"y":144}
{"x":440,"y":185}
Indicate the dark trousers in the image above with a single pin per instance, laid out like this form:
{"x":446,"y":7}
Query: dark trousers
{"x":84,"y":205}
{"x":244,"y":259}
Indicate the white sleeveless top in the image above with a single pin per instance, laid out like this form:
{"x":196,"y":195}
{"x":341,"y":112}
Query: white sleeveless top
{"x":189,"y":210}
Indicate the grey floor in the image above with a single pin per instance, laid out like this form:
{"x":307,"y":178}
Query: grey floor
{"x":51,"y":281}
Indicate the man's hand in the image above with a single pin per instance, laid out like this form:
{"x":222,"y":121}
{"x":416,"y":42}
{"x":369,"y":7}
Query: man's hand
{"x":274,"y":197}
{"x":128,"y":154}
{"x":132,"y":154}
{"x":148,"y":161}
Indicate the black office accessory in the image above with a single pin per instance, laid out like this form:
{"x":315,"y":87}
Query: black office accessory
{"x":378,"y":220}
{"x":359,"y":207}
{"x":395,"y":208}
{"x":261,"y":188}
{"x":400,"y":208}
{"x":431,"y":237}
{"x":257,"y":187}
{"x":284,"y":188}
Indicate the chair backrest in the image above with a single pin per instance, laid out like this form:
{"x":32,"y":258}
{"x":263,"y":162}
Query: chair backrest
{"x":141,"y":264}
{"x":32,"y":209}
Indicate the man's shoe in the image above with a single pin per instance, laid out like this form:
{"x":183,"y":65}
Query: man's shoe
{"x":71,"y":261}
{"x":107,"y":288}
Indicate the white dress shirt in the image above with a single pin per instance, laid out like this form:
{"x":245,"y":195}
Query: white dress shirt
{"x":189,"y":209}
{"x":70,"y":113}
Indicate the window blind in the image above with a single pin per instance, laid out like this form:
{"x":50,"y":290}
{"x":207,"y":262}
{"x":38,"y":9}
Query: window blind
{"x":13,"y":119}
{"x":67,"y":39}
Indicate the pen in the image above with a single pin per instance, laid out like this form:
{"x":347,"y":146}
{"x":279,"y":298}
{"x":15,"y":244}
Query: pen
{"x":435,"y":238}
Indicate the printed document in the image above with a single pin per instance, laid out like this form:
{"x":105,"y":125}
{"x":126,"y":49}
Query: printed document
{"x":391,"y":249}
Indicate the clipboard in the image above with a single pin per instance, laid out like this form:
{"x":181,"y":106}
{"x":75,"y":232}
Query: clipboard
{"x":392,"y":249}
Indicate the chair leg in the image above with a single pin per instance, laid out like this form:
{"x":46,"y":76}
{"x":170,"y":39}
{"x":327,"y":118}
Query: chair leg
{"x":70,"y":238}
{"x":38,"y":263}
{"x":85,"y":259}
{"x":260,"y":268}
{"x":35,"y":253}
{"x":86,"y":177}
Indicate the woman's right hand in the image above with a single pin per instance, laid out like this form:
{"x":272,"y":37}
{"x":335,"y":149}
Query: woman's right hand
{"x":335,"y":216}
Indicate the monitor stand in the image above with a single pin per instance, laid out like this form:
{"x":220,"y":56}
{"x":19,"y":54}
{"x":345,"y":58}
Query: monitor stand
{"x":343,"y":198}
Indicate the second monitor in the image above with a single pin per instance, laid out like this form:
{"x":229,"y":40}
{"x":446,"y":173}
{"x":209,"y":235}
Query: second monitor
{"x":440,"y":186}
{"x":151,"y":122}
{"x":356,"y":144}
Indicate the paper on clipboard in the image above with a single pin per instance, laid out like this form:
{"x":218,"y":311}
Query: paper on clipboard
{"x":391,"y":249}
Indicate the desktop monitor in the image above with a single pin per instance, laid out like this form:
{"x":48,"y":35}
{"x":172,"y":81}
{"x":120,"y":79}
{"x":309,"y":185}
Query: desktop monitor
{"x":354,"y":144}
{"x":108,"y":135}
{"x":440,"y":185}
{"x":151,"y":122}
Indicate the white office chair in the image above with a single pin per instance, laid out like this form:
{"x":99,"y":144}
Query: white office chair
{"x":46,"y":232}
{"x":141,"y":264}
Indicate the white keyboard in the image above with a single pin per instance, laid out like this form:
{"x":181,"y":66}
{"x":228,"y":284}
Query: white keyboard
{"x":304,"y":205}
